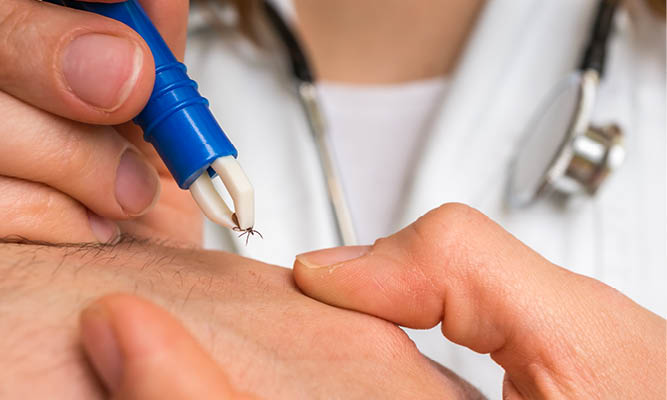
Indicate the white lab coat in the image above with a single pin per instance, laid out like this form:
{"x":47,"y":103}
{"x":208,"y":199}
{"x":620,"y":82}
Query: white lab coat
{"x":517,"y":52}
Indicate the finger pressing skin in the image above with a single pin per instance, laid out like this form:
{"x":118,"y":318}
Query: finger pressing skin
{"x":554,"y":332}
{"x":37,"y":212}
{"x":141,"y":352}
{"x":92,"y":164}
{"x":81,"y":66}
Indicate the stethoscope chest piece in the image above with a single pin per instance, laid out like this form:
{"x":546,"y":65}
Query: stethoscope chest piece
{"x":562,"y":151}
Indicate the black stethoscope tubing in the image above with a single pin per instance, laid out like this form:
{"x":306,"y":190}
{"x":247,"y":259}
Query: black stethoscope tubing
{"x":301,"y":69}
{"x":596,"y":49}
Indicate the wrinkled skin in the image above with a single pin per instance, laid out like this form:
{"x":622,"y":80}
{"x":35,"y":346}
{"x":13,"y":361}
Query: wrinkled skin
{"x":271,"y":340}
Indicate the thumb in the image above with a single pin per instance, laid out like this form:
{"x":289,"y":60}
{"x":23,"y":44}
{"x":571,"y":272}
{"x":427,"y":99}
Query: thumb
{"x":554,"y":332}
{"x":141,"y":352}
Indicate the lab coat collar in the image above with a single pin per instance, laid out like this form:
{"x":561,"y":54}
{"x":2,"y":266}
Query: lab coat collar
{"x":518,"y":51}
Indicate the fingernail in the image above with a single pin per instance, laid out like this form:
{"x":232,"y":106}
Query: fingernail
{"x":105,"y":230}
{"x":137,"y":184}
{"x":99,"y":341}
{"x":102,"y":69}
{"x":333,"y":256}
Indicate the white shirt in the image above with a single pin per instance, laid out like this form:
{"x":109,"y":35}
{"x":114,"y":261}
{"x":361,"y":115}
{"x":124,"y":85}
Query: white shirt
{"x":376,"y":133}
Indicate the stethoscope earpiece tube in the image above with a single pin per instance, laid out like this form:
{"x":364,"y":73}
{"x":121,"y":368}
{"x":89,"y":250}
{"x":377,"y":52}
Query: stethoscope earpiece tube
{"x":307,"y":92}
{"x":596,"y":51}
{"x":300,"y":66}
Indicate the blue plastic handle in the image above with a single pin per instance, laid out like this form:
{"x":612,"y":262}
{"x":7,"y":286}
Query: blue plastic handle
{"x":176,"y":120}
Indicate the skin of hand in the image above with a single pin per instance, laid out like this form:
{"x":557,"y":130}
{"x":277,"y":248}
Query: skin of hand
{"x":72,"y":169}
{"x":557,"y":334}
{"x":271,"y":340}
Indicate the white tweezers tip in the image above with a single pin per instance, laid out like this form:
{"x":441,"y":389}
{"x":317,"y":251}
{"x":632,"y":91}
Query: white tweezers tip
{"x":241,"y":191}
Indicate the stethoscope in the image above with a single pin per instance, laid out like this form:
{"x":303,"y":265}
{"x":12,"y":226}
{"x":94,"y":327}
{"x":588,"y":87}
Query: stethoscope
{"x":562,"y":152}
{"x":307,"y":93}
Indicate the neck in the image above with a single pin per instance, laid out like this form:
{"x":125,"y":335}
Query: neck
{"x":384,"y":41}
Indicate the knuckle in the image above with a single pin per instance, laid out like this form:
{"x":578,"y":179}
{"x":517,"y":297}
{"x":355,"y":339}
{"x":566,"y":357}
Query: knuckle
{"x":73,"y":152}
{"x":49,"y":202}
{"x":453,"y":226}
{"x":14,"y":21}
{"x":438,"y":245}
{"x":74,"y":160}
{"x":39,"y":206}
{"x":14,"y":24}
{"x":456,"y":214}
{"x":60,"y":163}
{"x":451,"y":238}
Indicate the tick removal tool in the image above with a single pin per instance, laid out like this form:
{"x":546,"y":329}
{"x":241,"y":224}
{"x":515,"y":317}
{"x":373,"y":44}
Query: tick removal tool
{"x":178,"y":123}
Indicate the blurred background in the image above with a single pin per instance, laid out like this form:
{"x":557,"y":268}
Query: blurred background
{"x":405,"y":105}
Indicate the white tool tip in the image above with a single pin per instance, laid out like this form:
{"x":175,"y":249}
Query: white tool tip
{"x":241,"y":191}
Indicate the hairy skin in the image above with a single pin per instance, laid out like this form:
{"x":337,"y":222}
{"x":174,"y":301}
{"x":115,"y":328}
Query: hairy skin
{"x":271,"y":340}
